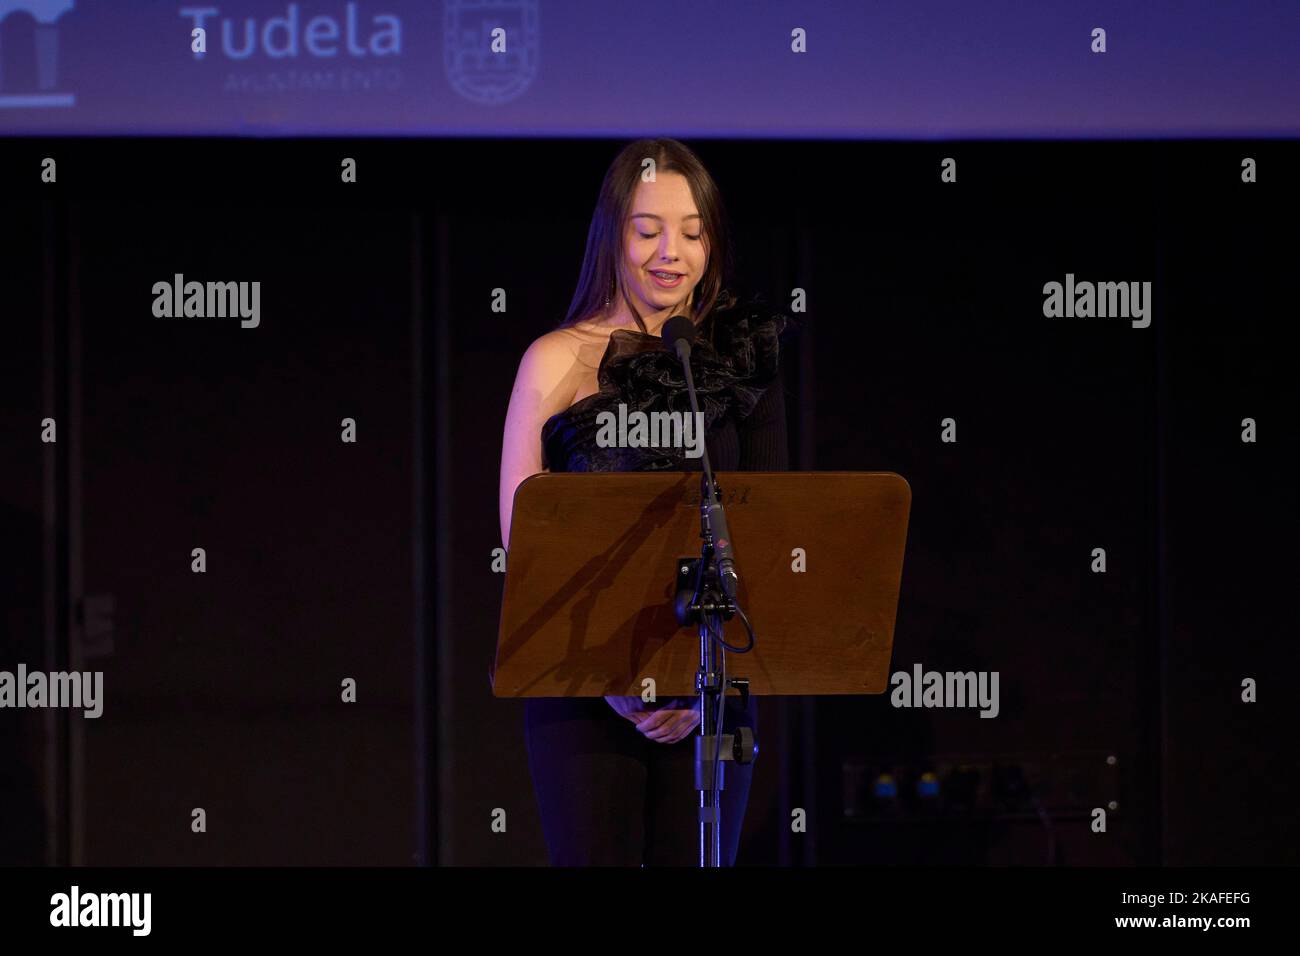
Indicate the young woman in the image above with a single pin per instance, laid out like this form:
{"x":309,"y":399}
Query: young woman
{"x":614,"y":776}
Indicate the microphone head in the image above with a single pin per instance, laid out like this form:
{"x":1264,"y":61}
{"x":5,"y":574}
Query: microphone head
{"x":677,"y":328}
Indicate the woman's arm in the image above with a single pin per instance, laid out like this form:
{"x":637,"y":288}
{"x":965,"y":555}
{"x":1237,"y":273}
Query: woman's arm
{"x":544,"y":385}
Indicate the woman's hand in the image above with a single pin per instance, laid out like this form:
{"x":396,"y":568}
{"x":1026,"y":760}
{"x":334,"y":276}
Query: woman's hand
{"x":671,"y":722}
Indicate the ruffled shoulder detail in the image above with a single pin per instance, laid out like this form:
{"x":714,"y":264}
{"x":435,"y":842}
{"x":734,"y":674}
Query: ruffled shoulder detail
{"x":733,"y":360}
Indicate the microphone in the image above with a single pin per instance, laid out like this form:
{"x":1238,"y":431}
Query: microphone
{"x":678,"y":333}
{"x":727,"y":575}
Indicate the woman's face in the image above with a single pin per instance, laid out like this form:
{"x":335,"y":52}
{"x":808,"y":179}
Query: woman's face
{"x":663,"y":244}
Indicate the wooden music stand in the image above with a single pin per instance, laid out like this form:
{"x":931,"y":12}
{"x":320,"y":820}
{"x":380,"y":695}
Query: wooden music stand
{"x":592,"y":572}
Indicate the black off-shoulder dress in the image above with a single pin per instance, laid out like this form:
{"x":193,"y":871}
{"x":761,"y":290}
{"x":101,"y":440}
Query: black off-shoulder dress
{"x":609,"y":796}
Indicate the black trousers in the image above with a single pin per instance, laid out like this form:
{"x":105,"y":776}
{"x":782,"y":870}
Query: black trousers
{"x":611,"y":797}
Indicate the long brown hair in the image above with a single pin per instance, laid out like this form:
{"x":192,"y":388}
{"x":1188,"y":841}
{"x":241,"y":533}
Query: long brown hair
{"x":598,"y":280}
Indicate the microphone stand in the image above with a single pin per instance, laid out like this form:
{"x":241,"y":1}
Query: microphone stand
{"x":705,"y":594}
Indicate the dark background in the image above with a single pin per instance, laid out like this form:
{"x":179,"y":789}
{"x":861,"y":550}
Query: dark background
{"x":373,"y":560}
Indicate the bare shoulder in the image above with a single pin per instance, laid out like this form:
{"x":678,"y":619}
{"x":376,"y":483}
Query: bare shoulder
{"x":562,"y":353}
{"x":555,"y":348}
{"x":552,"y":370}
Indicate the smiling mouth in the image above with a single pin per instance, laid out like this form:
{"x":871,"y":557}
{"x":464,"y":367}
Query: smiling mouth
{"x":666,"y":278}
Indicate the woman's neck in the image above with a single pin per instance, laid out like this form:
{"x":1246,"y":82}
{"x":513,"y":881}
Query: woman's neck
{"x":624,"y":319}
